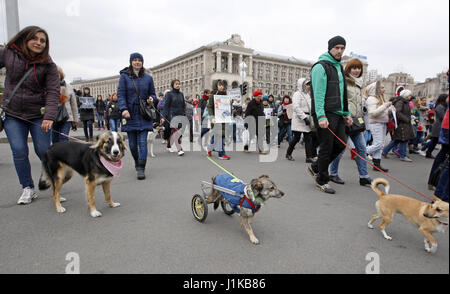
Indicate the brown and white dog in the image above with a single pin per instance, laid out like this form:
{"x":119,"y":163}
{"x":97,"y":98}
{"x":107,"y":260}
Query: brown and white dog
{"x":98,"y":164}
{"x":428,"y":217}
{"x":261,"y":189}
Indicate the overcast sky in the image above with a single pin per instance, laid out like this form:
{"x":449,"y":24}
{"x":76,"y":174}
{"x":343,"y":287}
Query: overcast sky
{"x":94,"y":38}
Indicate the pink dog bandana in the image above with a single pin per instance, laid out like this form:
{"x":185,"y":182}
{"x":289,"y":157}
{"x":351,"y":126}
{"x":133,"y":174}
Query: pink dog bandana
{"x":113,"y":167}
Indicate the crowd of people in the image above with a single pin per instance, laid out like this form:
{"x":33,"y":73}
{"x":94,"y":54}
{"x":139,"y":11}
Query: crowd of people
{"x":329,"y":110}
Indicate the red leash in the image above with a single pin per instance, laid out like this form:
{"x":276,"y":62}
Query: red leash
{"x":386,"y":174}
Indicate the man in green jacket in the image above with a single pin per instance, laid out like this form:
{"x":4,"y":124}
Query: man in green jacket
{"x":329,"y":109}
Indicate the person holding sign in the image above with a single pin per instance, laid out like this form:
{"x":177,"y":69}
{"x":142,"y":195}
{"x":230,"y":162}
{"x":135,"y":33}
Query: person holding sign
{"x":219,"y":108}
{"x":86,"y":107}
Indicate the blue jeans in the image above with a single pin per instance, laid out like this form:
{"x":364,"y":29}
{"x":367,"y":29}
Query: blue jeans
{"x":114,"y":124}
{"x":360,"y":145}
{"x":401,"y":144}
{"x":64,"y":129}
{"x":216,"y":146}
{"x":138,"y":144}
{"x":100,"y":118}
{"x":17,"y":132}
{"x":286,"y":128}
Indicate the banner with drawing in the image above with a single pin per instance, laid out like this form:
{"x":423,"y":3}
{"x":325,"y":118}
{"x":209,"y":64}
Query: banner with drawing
{"x":87,"y":102}
{"x":222,"y":109}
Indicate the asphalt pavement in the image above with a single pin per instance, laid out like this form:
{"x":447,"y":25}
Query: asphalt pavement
{"x":154,"y":232}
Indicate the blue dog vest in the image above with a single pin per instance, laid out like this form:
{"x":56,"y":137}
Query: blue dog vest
{"x":231,"y":183}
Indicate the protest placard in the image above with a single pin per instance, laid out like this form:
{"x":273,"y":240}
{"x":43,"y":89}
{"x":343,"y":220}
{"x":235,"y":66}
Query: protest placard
{"x":222,"y":109}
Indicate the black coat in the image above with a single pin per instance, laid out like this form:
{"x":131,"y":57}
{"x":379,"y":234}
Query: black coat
{"x":404,"y":131}
{"x":255,"y":109}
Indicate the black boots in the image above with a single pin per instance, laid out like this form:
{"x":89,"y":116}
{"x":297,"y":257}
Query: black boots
{"x":140,"y":168}
{"x":365,"y":181}
{"x":377,"y":163}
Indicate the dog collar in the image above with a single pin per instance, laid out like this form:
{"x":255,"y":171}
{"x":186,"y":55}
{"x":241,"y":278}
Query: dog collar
{"x":113,"y":167}
{"x":248,"y":191}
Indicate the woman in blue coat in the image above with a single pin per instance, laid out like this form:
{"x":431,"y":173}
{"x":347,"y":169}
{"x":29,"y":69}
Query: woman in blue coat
{"x":135,"y":84}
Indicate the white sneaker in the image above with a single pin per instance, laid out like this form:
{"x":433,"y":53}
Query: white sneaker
{"x":406,"y":159}
{"x":28,"y":195}
{"x":422,"y":153}
{"x":181,"y":153}
{"x":171,"y":150}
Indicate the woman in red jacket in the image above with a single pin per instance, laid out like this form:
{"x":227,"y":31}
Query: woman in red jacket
{"x":34,"y":105}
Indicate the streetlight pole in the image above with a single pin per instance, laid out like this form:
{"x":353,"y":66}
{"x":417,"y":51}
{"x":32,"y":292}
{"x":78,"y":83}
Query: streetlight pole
{"x":12,"y":18}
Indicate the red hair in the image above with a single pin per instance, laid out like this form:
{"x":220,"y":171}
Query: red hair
{"x":354,"y":63}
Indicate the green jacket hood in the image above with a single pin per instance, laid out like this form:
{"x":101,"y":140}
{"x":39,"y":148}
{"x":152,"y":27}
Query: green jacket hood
{"x":327,"y":57}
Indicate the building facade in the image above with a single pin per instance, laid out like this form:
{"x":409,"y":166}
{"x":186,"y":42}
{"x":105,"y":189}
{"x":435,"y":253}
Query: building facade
{"x":104,"y":86}
{"x":395,"y":80}
{"x":233,"y":63}
{"x":432,"y":87}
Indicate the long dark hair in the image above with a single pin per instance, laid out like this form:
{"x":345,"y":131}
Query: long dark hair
{"x":441,"y":100}
{"x":21,"y":39}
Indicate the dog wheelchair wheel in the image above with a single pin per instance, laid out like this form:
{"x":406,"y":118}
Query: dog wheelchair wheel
{"x":226,"y":207}
{"x":199,"y":208}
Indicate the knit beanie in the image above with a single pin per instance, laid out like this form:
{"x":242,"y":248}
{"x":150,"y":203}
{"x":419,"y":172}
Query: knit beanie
{"x":405,"y":93}
{"x":136,"y":55}
{"x":257,"y":93}
{"x":338,"y":40}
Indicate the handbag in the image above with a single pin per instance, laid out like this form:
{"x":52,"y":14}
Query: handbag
{"x":61,"y":115}
{"x":2,"y":114}
{"x":358,"y":126}
{"x":147,"y":111}
{"x":436,"y":175}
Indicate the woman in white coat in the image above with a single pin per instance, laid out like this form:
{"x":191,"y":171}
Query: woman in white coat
{"x":301,"y":123}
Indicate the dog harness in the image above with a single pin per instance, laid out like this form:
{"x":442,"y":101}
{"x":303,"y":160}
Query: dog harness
{"x":236,"y":185}
{"x":113,"y":167}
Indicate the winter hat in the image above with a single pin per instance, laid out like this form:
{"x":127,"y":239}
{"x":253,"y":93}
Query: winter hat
{"x":405,"y":93}
{"x":136,"y":55}
{"x":338,"y":40}
{"x":258,"y":93}
{"x":265,"y":98}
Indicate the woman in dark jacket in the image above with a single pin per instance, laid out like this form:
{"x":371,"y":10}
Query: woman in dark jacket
{"x":100,"y":107}
{"x":135,"y":84}
{"x":440,"y":108}
{"x":34,"y":106}
{"x":404,"y":131}
{"x":114,"y":113}
{"x":174,"y":106}
{"x":87,"y":116}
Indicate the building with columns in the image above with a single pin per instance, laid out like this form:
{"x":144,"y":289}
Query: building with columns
{"x":103,"y":86}
{"x":201,"y":69}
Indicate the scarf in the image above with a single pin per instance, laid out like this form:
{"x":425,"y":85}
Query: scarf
{"x":113,"y":167}
{"x":358,"y":81}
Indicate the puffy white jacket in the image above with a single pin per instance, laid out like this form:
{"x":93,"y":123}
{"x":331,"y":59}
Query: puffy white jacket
{"x":301,"y":104}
